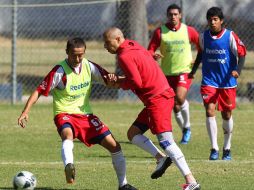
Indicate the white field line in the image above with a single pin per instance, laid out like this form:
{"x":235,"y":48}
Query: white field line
{"x":135,"y":162}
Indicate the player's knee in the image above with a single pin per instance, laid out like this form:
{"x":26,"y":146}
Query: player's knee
{"x":116,"y":147}
{"x":129,"y":135}
{"x":226,"y":115}
{"x":66,"y":133}
{"x":210,"y":113}
{"x":111,"y":145}
{"x":180,"y":101}
{"x":132,"y":132}
{"x":164,"y":144}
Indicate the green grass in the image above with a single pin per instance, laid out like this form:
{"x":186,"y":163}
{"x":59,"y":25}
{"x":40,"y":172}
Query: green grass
{"x":37,"y":149}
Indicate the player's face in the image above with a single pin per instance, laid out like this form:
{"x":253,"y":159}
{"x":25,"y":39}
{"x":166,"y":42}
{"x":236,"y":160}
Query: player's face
{"x":174,"y":17}
{"x":111,"y":43}
{"x":215,"y":24}
{"x":75,"y":56}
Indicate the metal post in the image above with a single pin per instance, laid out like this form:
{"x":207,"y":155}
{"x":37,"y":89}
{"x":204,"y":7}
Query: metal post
{"x":13,"y":54}
{"x":183,"y":12}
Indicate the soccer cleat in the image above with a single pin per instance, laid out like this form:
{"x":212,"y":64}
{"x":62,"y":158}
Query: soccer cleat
{"x":127,"y":187}
{"x":186,"y":136}
{"x":161,"y":167}
{"x":214,"y":155}
{"x":191,"y":186}
{"x":70,"y":173}
{"x":226,"y":154}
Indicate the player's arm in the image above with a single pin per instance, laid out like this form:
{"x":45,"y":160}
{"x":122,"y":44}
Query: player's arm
{"x":53,"y":79}
{"x":239,"y":50}
{"x":194,"y":37}
{"x":102,"y":76}
{"x":196,"y":65}
{"x":155,"y":44}
{"x":198,"y":57}
{"x":23,"y":118}
{"x":133,"y":79}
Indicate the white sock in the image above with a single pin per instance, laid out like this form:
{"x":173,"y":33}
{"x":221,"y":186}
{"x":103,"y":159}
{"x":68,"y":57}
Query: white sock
{"x":146,"y":144}
{"x":179,"y":119}
{"x":174,"y":152}
{"x":119,"y":165}
{"x":228,"y":129}
{"x":185,"y":114}
{"x":67,"y":151}
{"x":211,"y":126}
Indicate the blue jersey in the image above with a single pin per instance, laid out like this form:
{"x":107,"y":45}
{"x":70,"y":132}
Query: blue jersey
{"x":218,"y":61}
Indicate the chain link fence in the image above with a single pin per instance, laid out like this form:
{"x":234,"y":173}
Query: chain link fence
{"x":33,"y":35}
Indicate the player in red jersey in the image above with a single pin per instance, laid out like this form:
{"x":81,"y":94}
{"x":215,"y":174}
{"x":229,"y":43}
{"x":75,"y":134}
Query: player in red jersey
{"x":143,"y":76}
{"x":174,"y":40}
{"x":70,"y":82}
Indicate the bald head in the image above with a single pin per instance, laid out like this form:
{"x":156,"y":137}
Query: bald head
{"x":113,"y":33}
{"x":113,"y":38}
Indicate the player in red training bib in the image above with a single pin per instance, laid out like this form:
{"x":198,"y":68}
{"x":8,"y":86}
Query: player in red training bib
{"x":223,"y":55}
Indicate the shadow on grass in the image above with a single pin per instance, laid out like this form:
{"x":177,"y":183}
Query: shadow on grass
{"x":42,"y":188}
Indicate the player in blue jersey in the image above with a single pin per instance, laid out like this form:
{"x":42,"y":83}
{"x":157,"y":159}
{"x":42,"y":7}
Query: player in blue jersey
{"x":222,"y":56}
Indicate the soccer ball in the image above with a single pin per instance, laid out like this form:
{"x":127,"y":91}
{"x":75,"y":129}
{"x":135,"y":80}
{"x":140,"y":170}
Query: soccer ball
{"x":24,"y":180}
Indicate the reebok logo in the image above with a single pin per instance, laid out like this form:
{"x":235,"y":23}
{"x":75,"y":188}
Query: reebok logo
{"x":77,"y":87}
{"x":215,"y":51}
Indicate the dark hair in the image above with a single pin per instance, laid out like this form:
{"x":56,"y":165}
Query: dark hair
{"x":214,"y":11}
{"x":174,"y":6}
{"x":75,"y":43}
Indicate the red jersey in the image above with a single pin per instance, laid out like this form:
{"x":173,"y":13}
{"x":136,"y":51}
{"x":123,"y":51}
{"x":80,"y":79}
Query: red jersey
{"x":156,"y":38}
{"x":143,"y":74}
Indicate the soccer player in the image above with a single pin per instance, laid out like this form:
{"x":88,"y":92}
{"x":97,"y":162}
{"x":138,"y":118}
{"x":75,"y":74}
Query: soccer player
{"x":144,"y":77}
{"x":223,"y":56}
{"x":70,"y":82}
{"x":174,"y":40}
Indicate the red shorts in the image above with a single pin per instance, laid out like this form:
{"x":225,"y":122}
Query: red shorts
{"x":87,"y":128}
{"x":225,"y":97}
{"x":156,"y":116}
{"x":180,"y":80}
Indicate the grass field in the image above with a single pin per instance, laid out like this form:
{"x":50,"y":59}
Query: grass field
{"x":37,"y":149}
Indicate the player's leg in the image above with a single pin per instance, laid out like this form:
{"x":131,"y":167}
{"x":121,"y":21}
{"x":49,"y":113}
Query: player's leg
{"x":226,"y":104}
{"x":182,"y":108}
{"x":136,"y":136}
{"x":66,"y":134}
{"x":211,"y":126}
{"x":168,"y":144}
{"x":227,"y":125}
{"x":173,"y":82}
{"x":210,"y":96}
{"x":118,"y":161}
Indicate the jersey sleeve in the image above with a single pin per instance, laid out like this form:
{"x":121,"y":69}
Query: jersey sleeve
{"x":131,"y":72}
{"x":155,"y":41}
{"x":55,"y":78}
{"x":98,"y":72}
{"x":194,"y":37}
{"x":201,"y":41}
{"x":237,"y":46}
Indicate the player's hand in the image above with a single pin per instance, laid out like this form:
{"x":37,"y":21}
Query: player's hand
{"x":157,"y":56}
{"x":112,"y":80}
{"x":111,"y":77}
{"x":235,"y":74}
{"x":22,"y":120}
